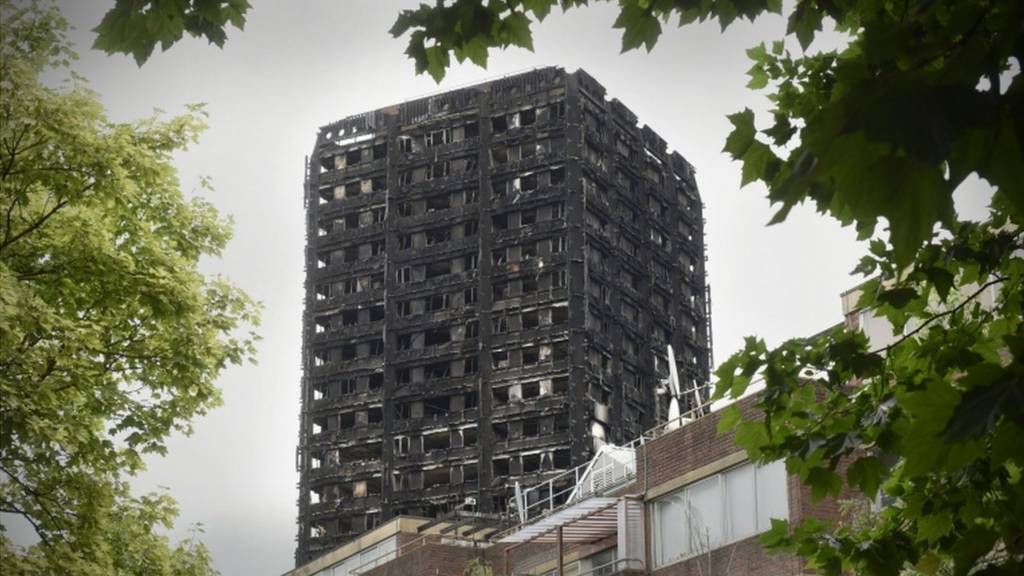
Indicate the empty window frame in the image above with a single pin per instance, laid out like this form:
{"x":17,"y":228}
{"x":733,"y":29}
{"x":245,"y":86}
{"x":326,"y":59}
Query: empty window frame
{"x":437,"y":269}
{"x":438,"y":202}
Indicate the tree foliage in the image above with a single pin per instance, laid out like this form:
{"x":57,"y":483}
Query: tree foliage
{"x":110,"y":338}
{"x":135,"y":27}
{"x":477,"y":568}
{"x":931,"y":424}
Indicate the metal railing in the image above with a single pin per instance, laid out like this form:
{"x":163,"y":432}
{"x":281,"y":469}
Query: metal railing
{"x":411,"y":546}
{"x":675,"y":423}
{"x":590,"y":479}
{"x":594,"y":478}
{"x":609,"y":569}
{"x":614,"y":567}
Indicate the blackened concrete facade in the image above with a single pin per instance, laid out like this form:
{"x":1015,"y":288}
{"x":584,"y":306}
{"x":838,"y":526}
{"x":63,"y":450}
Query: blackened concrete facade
{"x":493,"y":275}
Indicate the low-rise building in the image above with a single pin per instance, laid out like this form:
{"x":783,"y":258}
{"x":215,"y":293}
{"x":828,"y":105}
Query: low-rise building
{"x":680,"y":500}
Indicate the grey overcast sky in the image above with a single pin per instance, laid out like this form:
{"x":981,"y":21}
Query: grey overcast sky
{"x":302,"y":64}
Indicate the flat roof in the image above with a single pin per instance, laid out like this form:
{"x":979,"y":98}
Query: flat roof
{"x":398,"y":524}
{"x":585,"y":521}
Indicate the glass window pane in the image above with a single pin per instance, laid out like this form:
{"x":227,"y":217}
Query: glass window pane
{"x":740,"y":502}
{"x":670,"y":538}
{"x":772,"y":494}
{"x":705,"y":514}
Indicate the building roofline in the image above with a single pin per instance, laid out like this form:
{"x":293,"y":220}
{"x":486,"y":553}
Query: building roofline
{"x":474,"y":85}
{"x":397,"y":525}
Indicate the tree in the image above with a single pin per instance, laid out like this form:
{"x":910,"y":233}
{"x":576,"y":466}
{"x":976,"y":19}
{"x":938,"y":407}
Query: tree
{"x":110,"y":338}
{"x":882,"y":131}
{"x":135,"y":27}
{"x":476,"y":568}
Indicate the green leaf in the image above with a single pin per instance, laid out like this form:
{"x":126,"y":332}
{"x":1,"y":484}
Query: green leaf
{"x":776,"y":535}
{"x":866,"y":474}
{"x":135,"y":27}
{"x":517,"y":29}
{"x":922,"y":198}
{"x":781,"y":131}
{"x":751,"y":436}
{"x":823,"y":483}
{"x":934,"y":526}
{"x":540,"y":8}
{"x":930,"y":410}
{"x":942,"y":279}
{"x":757,"y":163}
{"x":476,"y":51}
{"x":866,"y":267}
{"x":639,"y":27}
{"x":758,"y":77}
{"x":729,"y":417}
{"x":742,"y":135}
{"x":929,"y":563}
{"x":805,"y":21}
{"x":992,"y":391}
{"x":437,"y":62}
{"x":1006,"y":169}
{"x":758,"y":54}
{"x":726,"y":12}
{"x":897,"y":297}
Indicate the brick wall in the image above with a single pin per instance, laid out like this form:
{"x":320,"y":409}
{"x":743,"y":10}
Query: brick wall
{"x":529,"y":558}
{"x":742,"y":558}
{"x":686,"y":449}
{"x":698,"y":444}
{"x":433,"y":557}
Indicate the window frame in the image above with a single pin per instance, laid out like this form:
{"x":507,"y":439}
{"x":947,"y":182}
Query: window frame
{"x":681,"y":497}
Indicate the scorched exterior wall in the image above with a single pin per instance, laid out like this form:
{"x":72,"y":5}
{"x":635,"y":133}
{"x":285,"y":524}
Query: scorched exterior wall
{"x":493,"y":275}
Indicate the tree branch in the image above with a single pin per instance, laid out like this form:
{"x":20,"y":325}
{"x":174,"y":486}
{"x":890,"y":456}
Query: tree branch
{"x":13,"y":153}
{"x":35,"y":495}
{"x":955,"y":309}
{"x":34,"y":226}
{"x":10,"y":508}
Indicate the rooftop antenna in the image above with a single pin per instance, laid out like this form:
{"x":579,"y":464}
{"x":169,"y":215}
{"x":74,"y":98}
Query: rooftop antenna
{"x":673,"y":389}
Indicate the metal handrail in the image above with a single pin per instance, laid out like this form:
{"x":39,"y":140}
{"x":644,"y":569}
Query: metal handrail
{"x":555,"y":500}
{"x":614,"y":566}
{"x":406,"y":549}
{"x":669,"y":425}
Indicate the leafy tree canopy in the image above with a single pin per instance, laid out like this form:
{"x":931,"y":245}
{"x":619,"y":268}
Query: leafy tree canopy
{"x":135,"y":27}
{"x":110,"y":338}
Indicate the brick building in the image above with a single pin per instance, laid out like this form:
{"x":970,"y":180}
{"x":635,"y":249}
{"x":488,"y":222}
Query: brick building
{"x":493,"y":277}
{"x":694,"y":505}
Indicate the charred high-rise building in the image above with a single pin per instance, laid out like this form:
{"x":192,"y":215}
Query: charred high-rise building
{"x":493,"y":277}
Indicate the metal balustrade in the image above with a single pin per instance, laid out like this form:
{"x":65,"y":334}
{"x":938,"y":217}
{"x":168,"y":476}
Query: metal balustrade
{"x":612,"y":467}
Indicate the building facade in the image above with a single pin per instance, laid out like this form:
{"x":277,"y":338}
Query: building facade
{"x":692,"y":504}
{"x":493,"y":277}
